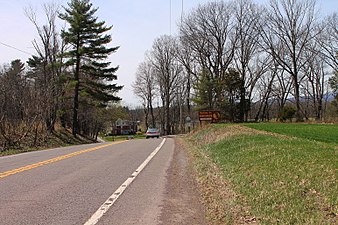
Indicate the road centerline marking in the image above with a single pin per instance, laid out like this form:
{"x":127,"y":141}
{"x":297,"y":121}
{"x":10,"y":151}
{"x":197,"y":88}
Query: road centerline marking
{"x":94,"y":219}
{"x":52,"y":160}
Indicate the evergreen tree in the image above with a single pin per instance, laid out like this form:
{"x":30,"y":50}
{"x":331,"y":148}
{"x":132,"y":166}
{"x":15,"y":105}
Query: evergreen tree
{"x":221,"y":94}
{"x":232,"y":107}
{"x":87,"y":56}
{"x":204,"y":87}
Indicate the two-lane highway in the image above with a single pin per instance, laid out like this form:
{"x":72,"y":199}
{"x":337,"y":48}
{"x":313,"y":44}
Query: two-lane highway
{"x":73,"y":185}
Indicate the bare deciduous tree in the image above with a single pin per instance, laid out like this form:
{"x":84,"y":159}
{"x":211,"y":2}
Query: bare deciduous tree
{"x":289,"y":29}
{"x":168,"y":72}
{"x":145,"y":88}
{"x":327,"y":38}
{"x":188,"y":60}
{"x":209,"y":31}
{"x":47,"y":66}
{"x":248,"y":20}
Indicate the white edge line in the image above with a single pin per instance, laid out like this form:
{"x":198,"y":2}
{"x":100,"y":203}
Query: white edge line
{"x":112,"y":199}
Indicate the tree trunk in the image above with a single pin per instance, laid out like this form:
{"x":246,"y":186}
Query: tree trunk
{"x":152,"y":115}
{"x":242,"y":103}
{"x":299,"y":116}
{"x":76,"y":98}
{"x":167,"y":112}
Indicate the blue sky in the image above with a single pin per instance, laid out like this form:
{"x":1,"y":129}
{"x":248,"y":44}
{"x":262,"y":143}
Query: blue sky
{"x":136,"y":23}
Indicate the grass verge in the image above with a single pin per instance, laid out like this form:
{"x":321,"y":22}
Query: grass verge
{"x":252,"y":176}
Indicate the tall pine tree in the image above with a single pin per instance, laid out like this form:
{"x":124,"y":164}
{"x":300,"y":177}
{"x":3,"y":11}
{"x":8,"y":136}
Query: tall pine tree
{"x":87,"y":39}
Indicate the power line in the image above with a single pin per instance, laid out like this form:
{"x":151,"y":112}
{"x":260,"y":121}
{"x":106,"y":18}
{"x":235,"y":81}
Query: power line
{"x":182,"y":12}
{"x":170,"y":18}
{"x":9,"y":46}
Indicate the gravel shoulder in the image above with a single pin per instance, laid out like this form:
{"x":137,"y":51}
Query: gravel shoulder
{"x":182,"y":199}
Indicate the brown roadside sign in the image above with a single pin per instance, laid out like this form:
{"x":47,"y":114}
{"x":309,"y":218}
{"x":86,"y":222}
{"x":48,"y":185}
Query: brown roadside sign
{"x":213,"y":116}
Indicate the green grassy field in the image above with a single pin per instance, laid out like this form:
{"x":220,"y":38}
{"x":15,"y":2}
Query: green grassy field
{"x":320,"y":132}
{"x":278,"y":180}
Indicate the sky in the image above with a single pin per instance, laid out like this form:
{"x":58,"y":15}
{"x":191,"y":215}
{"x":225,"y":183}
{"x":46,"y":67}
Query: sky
{"x":136,"y":24}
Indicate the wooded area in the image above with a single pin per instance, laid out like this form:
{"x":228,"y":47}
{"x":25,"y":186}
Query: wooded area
{"x":248,"y":61}
{"x":67,"y":84}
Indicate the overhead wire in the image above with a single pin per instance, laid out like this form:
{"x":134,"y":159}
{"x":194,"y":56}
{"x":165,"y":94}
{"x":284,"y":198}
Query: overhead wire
{"x":182,"y":12}
{"x":170,"y":18}
{"x":9,"y":46}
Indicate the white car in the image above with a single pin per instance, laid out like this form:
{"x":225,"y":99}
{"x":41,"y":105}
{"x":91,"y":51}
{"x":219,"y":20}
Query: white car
{"x":152,"y":133}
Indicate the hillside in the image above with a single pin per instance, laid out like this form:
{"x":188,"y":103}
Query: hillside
{"x":32,"y":142}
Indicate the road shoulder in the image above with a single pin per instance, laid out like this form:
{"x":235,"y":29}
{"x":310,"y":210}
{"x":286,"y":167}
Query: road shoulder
{"x":182,"y":200}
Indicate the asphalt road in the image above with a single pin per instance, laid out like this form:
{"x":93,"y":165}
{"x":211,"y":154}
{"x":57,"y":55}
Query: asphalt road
{"x":69,"y":185}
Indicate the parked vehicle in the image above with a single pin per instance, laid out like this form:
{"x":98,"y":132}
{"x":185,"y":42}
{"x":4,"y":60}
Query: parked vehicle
{"x":152,"y":133}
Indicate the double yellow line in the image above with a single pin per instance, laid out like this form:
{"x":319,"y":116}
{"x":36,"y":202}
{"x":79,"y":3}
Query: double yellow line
{"x":49,"y":161}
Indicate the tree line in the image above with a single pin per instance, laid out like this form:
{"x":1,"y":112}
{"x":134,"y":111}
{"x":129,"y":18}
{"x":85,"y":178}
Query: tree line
{"x":248,"y":61}
{"x":69,"y":82}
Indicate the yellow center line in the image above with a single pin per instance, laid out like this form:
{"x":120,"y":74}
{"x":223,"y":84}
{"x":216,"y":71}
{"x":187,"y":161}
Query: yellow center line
{"x":56,"y":159}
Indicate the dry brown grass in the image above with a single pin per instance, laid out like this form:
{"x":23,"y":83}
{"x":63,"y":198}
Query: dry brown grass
{"x":211,"y":182}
